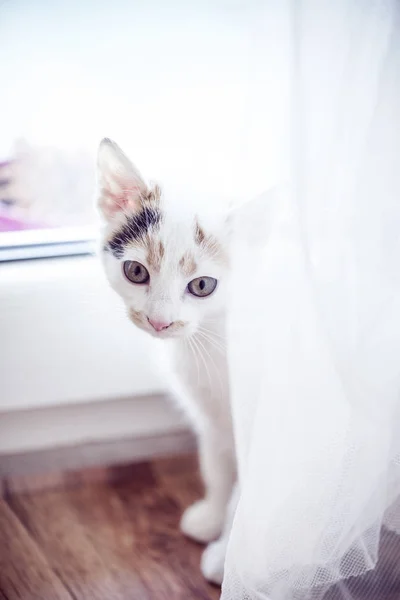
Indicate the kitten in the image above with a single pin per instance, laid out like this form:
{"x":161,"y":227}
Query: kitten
{"x":171,"y":270}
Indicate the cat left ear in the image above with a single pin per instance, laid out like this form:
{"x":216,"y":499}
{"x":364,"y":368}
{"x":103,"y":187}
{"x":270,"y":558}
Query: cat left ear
{"x":120,"y":185}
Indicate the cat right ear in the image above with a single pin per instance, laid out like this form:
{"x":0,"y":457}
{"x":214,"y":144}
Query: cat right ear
{"x":120,"y":186}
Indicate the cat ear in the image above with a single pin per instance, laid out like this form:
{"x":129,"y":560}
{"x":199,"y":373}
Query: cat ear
{"x":120,"y":185}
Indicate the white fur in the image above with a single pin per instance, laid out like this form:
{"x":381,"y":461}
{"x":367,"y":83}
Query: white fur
{"x":193,"y":358}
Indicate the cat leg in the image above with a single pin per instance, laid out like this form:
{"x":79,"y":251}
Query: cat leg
{"x":213,"y":557}
{"x":204,"y":520}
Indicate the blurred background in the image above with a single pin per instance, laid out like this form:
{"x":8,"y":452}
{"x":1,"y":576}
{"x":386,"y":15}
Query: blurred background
{"x":168,"y":81}
{"x":179,"y":86}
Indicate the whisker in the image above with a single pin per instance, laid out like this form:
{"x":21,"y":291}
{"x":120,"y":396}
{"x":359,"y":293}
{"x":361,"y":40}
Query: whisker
{"x":215,"y":343}
{"x":212,"y":332}
{"x":199,"y":347}
{"x":212,"y":363}
{"x":220,"y":339}
{"x":192,"y":349}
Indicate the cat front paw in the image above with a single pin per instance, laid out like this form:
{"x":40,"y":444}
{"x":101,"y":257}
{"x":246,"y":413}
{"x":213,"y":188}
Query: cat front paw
{"x":212,"y":562}
{"x":203,"y":521}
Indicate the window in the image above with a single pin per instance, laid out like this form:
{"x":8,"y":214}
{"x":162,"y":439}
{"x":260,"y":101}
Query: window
{"x":167,"y":82}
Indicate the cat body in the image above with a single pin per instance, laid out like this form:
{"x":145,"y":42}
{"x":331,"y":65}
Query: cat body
{"x":197,"y":373}
{"x":171,"y":268}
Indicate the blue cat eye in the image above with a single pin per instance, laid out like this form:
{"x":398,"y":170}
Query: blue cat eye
{"x":135,"y":272}
{"x":202,"y":286}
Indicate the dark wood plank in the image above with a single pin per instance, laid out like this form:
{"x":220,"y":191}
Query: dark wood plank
{"x":114,"y":533}
{"x":61,"y":480}
{"x":24,"y":571}
{"x":136,"y":528}
{"x":55,"y":526}
{"x":179,"y":478}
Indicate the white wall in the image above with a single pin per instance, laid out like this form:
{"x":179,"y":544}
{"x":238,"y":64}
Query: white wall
{"x":64,"y":337}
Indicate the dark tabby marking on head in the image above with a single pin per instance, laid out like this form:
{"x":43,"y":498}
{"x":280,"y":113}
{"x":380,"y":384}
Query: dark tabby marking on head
{"x":135,"y":228}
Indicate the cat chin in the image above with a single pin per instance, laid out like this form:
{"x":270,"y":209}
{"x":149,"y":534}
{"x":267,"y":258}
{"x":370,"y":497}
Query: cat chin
{"x":164,"y":335}
{"x":182,"y":333}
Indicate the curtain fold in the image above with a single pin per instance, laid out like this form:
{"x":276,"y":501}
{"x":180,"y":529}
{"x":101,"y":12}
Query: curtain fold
{"x":314,"y":327}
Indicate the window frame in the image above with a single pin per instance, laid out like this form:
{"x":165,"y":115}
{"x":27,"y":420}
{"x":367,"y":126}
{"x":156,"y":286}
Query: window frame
{"x":47,"y":243}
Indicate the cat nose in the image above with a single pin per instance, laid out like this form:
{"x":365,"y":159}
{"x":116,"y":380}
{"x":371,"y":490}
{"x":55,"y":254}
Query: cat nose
{"x":158,"y":325}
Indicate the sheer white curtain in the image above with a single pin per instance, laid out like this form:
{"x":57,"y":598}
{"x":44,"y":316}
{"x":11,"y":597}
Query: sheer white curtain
{"x":314,"y":330}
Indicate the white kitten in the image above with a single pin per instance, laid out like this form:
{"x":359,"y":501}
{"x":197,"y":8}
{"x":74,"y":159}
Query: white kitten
{"x":171,"y":271}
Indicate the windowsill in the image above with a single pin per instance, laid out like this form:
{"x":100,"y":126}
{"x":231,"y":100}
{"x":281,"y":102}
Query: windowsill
{"x":47,"y":243}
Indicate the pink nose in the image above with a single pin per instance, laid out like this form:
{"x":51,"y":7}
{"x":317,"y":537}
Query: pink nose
{"x":158,"y":325}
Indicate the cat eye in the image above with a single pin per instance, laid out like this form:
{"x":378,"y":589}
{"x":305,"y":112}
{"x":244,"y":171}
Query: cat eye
{"x":135,"y":272}
{"x":202,"y":286}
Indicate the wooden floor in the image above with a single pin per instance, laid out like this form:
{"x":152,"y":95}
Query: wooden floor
{"x":101,"y":535}
{"x":112,"y":534}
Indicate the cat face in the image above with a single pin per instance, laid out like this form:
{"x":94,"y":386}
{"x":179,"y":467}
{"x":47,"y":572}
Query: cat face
{"x":169,"y":268}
